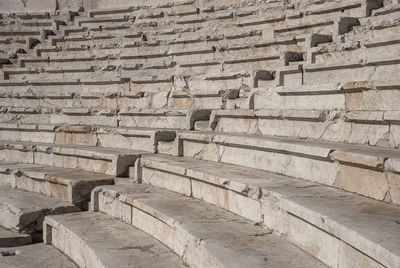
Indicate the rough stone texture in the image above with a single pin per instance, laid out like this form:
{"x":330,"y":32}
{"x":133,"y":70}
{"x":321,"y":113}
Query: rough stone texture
{"x":34,"y":256}
{"x":111,"y":161}
{"x":306,"y":89}
{"x":24,"y":211}
{"x":203,"y":235}
{"x":96,"y":240}
{"x":276,"y":200}
{"x":71,"y":185}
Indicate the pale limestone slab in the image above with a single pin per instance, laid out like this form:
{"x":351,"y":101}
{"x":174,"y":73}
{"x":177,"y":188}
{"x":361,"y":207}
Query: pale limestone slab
{"x":96,"y":240}
{"x":342,"y":216}
{"x":24,"y":211}
{"x":181,"y":222}
{"x":34,"y":256}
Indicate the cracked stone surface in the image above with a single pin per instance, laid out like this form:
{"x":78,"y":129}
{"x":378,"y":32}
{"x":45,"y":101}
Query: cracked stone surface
{"x":96,"y":240}
{"x":24,"y":211}
{"x":275,"y":200}
{"x":203,"y":235}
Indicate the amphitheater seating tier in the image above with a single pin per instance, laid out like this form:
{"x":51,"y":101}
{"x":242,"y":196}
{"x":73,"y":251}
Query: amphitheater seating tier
{"x":201,"y":134}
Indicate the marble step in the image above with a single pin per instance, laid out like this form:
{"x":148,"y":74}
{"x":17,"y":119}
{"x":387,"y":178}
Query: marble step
{"x":367,"y":170}
{"x":34,"y":256}
{"x":307,"y":214}
{"x":142,"y":139}
{"x":203,"y":235}
{"x":110,"y":161}
{"x":70,"y":185}
{"x":24,"y":211}
{"x":92,"y":239}
{"x":10,"y":238}
{"x":336,"y":125}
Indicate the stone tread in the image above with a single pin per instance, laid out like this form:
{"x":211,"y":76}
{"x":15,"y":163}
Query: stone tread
{"x":76,"y":184}
{"x":314,"y":147}
{"x":21,"y":209}
{"x":107,"y":153}
{"x":34,"y":256}
{"x":107,"y":242}
{"x":364,"y":223}
{"x":219,"y":238}
{"x":10,"y":238}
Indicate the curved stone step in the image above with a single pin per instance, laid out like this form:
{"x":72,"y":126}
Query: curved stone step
{"x":143,"y":139}
{"x":203,"y":235}
{"x":368,"y":170}
{"x":70,"y":185}
{"x":9,"y":238}
{"x":34,"y":256}
{"x":24,"y":211}
{"x":302,"y":211}
{"x":96,"y":240}
{"x":110,"y":161}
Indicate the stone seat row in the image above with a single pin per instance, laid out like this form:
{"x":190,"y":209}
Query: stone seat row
{"x":205,"y":179}
{"x":346,"y":166}
{"x":123,"y":244}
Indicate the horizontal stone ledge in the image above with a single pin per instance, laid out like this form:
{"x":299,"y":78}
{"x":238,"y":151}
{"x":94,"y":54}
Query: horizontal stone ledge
{"x":260,"y":20}
{"x":150,"y":202}
{"x":121,"y":243}
{"x":210,"y":182}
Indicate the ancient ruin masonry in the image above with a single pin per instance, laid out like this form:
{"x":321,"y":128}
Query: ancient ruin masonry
{"x":200,"y":133}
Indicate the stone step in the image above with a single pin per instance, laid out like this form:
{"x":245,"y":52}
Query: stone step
{"x":126,"y":118}
{"x":203,"y":235}
{"x":34,"y":256}
{"x":367,"y":95}
{"x":24,"y":211}
{"x":142,"y":139}
{"x":362,"y":47}
{"x":70,"y":185}
{"x":9,"y":238}
{"x":354,"y":126}
{"x":93,"y":239}
{"x":359,"y":230}
{"x":379,"y":67}
{"x":110,"y":161}
{"x":89,"y":86}
{"x":351,"y":167}
{"x":161,"y":118}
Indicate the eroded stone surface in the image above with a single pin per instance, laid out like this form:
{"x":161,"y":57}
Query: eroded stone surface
{"x":24,"y":211}
{"x":276,"y":200}
{"x":201,"y":234}
{"x":96,"y":240}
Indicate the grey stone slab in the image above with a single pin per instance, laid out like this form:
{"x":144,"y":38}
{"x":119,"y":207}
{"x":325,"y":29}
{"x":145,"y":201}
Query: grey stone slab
{"x":204,"y":235}
{"x":34,"y":256}
{"x":96,"y":240}
{"x":365,"y":224}
{"x":24,"y":211}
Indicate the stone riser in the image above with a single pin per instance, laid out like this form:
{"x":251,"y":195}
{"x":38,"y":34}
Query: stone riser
{"x":383,"y":72}
{"x":294,"y":221}
{"x":337,"y":129}
{"x":138,"y":121}
{"x":115,"y":167}
{"x":140,"y":141}
{"x":24,"y":212}
{"x":77,"y":193}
